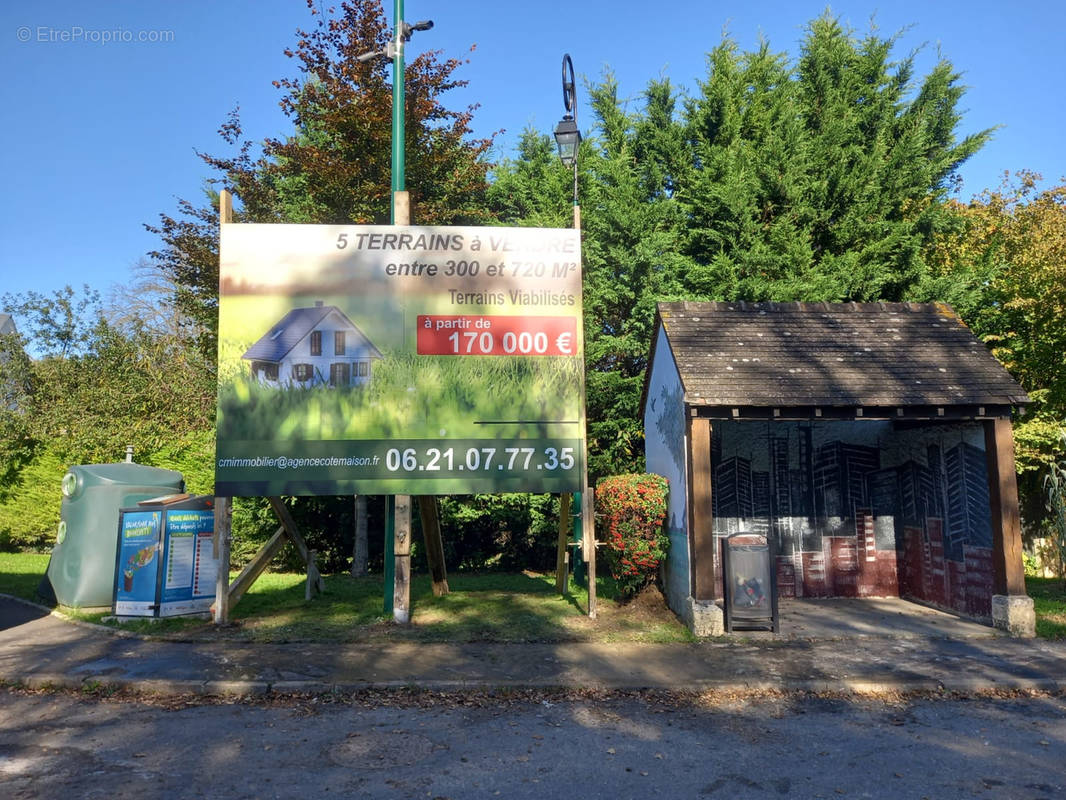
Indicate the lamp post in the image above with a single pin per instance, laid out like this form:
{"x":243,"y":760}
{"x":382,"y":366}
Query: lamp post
{"x":568,"y":140}
{"x":567,"y":134}
{"x":398,"y":507}
{"x":401,"y":34}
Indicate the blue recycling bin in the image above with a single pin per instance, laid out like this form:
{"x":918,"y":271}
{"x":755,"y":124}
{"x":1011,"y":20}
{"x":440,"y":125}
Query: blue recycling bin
{"x":165,"y":561}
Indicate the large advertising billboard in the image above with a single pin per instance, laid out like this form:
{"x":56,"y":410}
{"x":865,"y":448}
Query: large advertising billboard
{"x":399,"y":360}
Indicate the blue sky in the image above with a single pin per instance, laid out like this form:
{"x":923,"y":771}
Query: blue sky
{"x":101,"y":135}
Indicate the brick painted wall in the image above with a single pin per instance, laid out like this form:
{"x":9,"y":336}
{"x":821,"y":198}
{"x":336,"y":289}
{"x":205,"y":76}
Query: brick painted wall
{"x":860,"y":509}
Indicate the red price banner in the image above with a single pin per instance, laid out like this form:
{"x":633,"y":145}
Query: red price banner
{"x":489,"y":335}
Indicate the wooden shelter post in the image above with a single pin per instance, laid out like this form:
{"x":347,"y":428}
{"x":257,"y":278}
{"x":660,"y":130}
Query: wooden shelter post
{"x":700,"y":509}
{"x":704,"y":616}
{"x":1012,"y":608}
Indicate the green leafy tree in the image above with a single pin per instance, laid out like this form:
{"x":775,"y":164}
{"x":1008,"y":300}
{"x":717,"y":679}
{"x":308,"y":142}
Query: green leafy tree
{"x":57,"y":324}
{"x":1055,"y":487}
{"x":633,"y":233}
{"x":533,"y":188}
{"x":821,"y":178}
{"x":17,"y":442}
{"x":96,"y":387}
{"x":188,"y":262}
{"x":1002,"y":263}
{"x":336,"y":166}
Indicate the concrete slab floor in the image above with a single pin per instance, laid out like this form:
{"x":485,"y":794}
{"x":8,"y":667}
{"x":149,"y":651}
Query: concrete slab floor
{"x":889,"y":617}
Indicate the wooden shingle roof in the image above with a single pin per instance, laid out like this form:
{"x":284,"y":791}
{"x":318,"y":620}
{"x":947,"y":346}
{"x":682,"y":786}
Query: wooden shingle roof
{"x":851,"y":355}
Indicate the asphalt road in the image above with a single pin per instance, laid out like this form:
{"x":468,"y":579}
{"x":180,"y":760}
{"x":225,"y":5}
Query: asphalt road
{"x":525,"y":745}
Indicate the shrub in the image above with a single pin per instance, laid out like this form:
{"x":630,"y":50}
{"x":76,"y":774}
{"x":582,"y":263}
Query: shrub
{"x":29,"y":509}
{"x":631,"y":510}
{"x":508,"y":532}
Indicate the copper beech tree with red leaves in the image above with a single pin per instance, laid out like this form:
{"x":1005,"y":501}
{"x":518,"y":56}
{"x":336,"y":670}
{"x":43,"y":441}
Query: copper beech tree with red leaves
{"x":630,"y":510}
{"x":335,"y":168}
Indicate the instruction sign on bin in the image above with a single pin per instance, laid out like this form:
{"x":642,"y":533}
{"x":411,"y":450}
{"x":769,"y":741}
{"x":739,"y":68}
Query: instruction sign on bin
{"x":165,"y":561}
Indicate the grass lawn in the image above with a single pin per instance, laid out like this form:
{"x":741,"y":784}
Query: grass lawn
{"x":494,"y":607}
{"x":21,"y":572}
{"x":1049,"y":598}
{"x":497,"y":607}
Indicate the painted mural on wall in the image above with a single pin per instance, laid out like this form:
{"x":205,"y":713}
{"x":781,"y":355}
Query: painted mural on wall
{"x":862,"y":509}
{"x":664,"y":440}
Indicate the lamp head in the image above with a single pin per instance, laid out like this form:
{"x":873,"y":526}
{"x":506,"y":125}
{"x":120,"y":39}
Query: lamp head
{"x":567,"y":137}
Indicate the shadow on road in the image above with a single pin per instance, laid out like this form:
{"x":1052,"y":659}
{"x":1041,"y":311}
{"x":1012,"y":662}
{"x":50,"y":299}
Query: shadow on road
{"x":13,"y":614}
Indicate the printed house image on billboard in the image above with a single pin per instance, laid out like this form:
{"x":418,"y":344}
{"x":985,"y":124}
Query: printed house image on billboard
{"x":311,"y":347}
{"x":399,"y":360}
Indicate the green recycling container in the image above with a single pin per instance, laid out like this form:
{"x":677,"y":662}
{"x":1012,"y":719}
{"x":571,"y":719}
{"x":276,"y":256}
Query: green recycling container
{"x":81,"y":571}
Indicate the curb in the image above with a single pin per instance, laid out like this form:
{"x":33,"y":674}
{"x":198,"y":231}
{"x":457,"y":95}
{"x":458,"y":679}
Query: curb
{"x":92,"y":626}
{"x":260,"y":689}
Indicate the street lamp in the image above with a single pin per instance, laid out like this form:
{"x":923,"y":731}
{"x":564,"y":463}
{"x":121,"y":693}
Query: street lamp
{"x":398,"y":507}
{"x":568,"y":139}
{"x":567,"y":135}
{"x":394,"y":52}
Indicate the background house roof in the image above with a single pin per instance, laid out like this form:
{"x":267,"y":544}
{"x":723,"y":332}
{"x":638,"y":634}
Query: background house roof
{"x":291,"y":329}
{"x":7,"y":324}
{"x":831,"y":354}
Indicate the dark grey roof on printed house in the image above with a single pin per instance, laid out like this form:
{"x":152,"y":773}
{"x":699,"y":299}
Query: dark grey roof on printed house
{"x":291,"y":329}
{"x":832,"y":355}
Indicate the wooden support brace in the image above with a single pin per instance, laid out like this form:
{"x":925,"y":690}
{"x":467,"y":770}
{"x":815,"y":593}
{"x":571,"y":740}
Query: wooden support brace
{"x":256,"y":566}
{"x":427,"y":511}
{"x":293,"y":532}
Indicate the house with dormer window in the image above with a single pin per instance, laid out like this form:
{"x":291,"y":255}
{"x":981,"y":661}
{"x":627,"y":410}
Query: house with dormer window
{"x":313,"y":346}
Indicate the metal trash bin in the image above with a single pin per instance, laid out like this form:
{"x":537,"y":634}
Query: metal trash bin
{"x":81,"y":570}
{"x":750,"y":583}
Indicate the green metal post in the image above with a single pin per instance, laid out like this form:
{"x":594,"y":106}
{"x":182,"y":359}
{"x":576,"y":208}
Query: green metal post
{"x":397,"y":186}
{"x":577,"y":561}
{"x":390,"y":552}
{"x":398,"y":177}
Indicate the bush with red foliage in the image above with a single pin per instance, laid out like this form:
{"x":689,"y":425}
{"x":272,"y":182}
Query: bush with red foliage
{"x":630,"y":510}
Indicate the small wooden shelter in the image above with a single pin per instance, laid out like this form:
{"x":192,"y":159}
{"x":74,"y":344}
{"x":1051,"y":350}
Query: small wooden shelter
{"x":871,"y":442}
